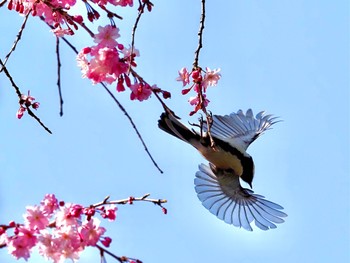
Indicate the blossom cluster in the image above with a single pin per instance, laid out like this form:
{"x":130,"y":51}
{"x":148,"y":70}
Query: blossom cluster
{"x":60,"y":231}
{"x":109,"y":61}
{"x":199,"y":83}
{"x":55,"y":13}
{"x":24,"y":102}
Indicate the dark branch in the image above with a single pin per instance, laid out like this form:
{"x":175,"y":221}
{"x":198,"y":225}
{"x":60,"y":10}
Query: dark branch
{"x":123,"y":110}
{"x":133,"y":125}
{"x":59,"y":75}
{"x":19,"y":35}
{"x":200,"y":36}
{"x":19,"y":94}
{"x":133,"y":32}
{"x":3,"y":2}
{"x":125,"y":201}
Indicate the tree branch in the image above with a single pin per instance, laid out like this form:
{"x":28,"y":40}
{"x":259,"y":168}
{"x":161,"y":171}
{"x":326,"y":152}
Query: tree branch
{"x":59,"y":74}
{"x":200,"y":36}
{"x":19,"y":94}
{"x":121,"y":107}
{"x":19,"y":35}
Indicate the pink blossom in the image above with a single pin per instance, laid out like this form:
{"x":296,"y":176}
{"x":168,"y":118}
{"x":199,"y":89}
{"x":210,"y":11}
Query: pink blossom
{"x":36,"y":218}
{"x":68,"y":237}
{"x":120,"y":85}
{"x":195,"y":100}
{"x":17,"y":248}
{"x":211,"y":77}
{"x":49,"y":204}
{"x":197,"y":103}
{"x":61,"y":32}
{"x":184,"y":76}
{"x":124,"y":2}
{"x":76,"y":210}
{"x":110,"y":213}
{"x":197,"y":76}
{"x":27,"y":236}
{"x":107,"y":36}
{"x":3,"y":239}
{"x":130,"y":54}
{"x":90,"y":231}
{"x":140,"y":91}
{"x":48,"y":248}
{"x":127,"y":52}
{"x":20,"y":245}
{"x":35,"y":105}
{"x":64,"y":217}
{"x":82,"y":62}
{"x":105,"y":65}
{"x":20,"y":112}
{"x":106,"y":241}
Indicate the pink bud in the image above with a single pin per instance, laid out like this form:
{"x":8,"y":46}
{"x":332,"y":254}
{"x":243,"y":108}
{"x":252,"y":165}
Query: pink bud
{"x":78,"y":18}
{"x":20,"y":112}
{"x":120,"y":86}
{"x":185,"y":91}
{"x":166,"y":94}
{"x":131,"y":199}
{"x":106,"y":241}
{"x":86,"y":50}
{"x":35,"y":105}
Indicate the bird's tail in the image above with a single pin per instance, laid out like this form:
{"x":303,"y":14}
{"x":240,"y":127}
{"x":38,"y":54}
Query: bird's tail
{"x":170,"y":123}
{"x":221,"y":193}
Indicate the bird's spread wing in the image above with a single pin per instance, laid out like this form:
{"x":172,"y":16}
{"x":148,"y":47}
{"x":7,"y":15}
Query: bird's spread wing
{"x":239,"y":129}
{"x":221,"y":193}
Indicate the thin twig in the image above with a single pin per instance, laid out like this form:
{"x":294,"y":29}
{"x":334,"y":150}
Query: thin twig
{"x":19,"y":35}
{"x":127,"y":200}
{"x":103,"y":250}
{"x":196,"y":65}
{"x":2,"y":3}
{"x":122,"y":259}
{"x":133,"y":32}
{"x":208,"y":117}
{"x":200,"y":36}
{"x":121,"y":107}
{"x":59,"y":74}
{"x":19,"y":94}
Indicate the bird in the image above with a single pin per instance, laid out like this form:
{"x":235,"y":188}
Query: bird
{"x":223,"y":141}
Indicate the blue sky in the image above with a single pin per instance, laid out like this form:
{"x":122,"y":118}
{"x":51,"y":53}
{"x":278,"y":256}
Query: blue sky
{"x":290,"y":58}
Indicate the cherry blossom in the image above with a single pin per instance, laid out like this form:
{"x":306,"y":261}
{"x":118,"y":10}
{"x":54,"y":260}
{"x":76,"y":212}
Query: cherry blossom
{"x":91,"y":232}
{"x":107,"y":36}
{"x":25,"y":102}
{"x":211,"y":77}
{"x":199,"y":85}
{"x":140,"y":91}
{"x":36,"y":218}
{"x":124,"y":2}
{"x":184,"y":76}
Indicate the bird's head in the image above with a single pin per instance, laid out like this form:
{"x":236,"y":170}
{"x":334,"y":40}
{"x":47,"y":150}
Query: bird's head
{"x":248,"y":170}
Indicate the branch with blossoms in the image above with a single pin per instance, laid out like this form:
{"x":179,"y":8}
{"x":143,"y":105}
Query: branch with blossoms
{"x":63,"y":231}
{"x":199,"y":80}
{"x":107,"y":62}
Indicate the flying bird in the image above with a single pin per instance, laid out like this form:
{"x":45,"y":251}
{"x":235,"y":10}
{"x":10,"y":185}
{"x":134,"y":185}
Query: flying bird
{"x":218,"y":185}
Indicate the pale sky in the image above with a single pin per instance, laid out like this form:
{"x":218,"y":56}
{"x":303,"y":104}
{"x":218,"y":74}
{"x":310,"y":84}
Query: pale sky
{"x":289,"y":58}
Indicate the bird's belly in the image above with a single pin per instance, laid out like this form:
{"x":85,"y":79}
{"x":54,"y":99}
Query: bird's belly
{"x":224,"y":160}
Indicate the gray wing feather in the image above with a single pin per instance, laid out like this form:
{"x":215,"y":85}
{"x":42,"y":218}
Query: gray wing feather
{"x":240,"y":129}
{"x":233,"y":204}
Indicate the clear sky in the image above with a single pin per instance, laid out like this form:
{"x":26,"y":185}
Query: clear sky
{"x":290,"y":58}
